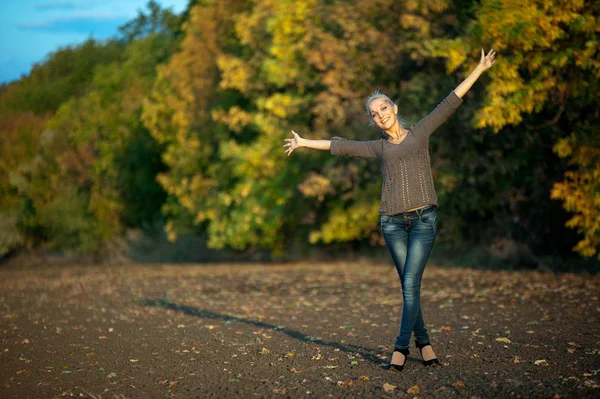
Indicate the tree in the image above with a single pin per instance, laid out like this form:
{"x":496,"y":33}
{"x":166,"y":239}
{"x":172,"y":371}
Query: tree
{"x":288,"y":65}
{"x":94,"y":172}
{"x":547,"y":83}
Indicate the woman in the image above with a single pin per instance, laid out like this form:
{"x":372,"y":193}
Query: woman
{"x":408,"y":198}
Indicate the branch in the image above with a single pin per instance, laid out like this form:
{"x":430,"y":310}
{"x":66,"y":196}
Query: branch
{"x":563,"y":104}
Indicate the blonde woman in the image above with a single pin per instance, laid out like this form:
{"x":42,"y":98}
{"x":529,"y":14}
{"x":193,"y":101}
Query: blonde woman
{"x":408,"y":199}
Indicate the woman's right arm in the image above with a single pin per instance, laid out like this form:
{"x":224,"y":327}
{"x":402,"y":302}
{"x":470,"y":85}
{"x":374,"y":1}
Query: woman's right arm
{"x":296,"y":142}
{"x":337,"y":146}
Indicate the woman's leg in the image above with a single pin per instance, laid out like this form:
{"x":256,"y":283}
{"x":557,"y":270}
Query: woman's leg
{"x":420,"y":243}
{"x":411,"y":265}
{"x":395,"y":234}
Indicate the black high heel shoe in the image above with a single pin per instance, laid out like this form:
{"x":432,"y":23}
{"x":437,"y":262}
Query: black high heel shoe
{"x":398,"y":367}
{"x":430,"y":361}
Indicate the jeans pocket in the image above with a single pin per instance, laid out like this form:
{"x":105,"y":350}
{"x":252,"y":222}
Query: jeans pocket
{"x":385,"y":220}
{"x":429,"y":219}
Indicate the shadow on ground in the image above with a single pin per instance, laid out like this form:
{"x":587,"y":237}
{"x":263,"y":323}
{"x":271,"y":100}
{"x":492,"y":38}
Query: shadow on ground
{"x":368,"y":354}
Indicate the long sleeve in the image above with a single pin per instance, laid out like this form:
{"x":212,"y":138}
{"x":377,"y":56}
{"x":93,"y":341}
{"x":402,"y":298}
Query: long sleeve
{"x":439,"y":115}
{"x":350,"y":148}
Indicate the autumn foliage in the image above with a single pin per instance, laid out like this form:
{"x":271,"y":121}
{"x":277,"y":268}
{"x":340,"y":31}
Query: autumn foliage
{"x":181,"y":123}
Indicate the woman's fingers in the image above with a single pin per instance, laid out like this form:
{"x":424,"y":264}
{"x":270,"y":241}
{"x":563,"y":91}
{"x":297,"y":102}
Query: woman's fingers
{"x":290,"y":143}
{"x":490,"y":54}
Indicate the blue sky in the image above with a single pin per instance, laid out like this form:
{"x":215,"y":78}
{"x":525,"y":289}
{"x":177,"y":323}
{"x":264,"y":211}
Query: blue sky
{"x":30,"y":29}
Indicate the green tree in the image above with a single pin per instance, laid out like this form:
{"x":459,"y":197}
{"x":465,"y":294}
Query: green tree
{"x":545,"y":86}
{"x":177,"y":113}
{"x":288,"y":65}
{"x":19,"y":136}
{"x":94,"y":172}
{"x":65,"y":73}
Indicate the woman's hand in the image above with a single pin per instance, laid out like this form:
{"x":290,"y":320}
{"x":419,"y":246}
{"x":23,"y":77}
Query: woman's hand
{"x":485,"y":63}
{"x":488,"y":60}
{"x":292,"y":143}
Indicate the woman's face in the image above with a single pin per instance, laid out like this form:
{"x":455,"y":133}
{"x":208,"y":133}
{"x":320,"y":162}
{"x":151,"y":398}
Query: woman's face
{"x":383,"y":113}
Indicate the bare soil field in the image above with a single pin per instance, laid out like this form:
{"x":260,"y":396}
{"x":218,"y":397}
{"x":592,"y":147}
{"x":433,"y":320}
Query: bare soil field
{"x":293,"y":331}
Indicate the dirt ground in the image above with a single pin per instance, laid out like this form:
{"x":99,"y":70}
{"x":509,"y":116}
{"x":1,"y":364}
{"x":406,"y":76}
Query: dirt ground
{"x":294,"y":330}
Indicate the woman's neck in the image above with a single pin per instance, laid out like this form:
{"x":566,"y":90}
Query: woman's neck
{"x":396,"y":133}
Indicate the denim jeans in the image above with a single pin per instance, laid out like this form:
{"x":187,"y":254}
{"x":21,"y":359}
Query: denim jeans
{"x":409,"y":238}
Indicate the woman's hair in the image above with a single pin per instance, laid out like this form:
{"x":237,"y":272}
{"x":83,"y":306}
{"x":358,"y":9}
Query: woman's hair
{"x":375,"y":95}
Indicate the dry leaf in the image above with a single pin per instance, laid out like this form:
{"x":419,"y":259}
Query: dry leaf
{"x":293,"y":370}
{"x":541,"y":362}
{"x":414,"y":390}
{"x":363,"y":378}
{"x":133,"y":360}
{"x":445,"y":328}
{"x":458,"y":384}
{"x":504,"y":340}
{"x":517,"y":359}
{"x":388,"y":387}
{"x":265,"y":351}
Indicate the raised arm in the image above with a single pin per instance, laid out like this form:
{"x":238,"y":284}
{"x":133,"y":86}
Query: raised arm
{"x":427,"y":125}
{"x":485,"y":63}
{"x":296,"y":142}
{"x":337,"y":146}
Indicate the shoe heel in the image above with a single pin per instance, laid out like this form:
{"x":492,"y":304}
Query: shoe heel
{"x":429,"y":362}
{"x":398,"y":367}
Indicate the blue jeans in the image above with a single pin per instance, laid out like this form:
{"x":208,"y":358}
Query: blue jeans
{"x":409,"y":238}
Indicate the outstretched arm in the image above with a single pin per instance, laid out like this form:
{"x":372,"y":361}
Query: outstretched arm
{"x":297,"y":142}
{"x":484,"y":64}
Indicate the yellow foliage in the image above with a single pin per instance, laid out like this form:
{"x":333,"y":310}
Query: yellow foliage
{"x":527,"y":34}
{"x":358,"y":221}
{"x":235,"y":73}
{"x":235,"y":118}
{"x":316,"y":185}
{"x":580,"y":193}
{"x":280,"y":105}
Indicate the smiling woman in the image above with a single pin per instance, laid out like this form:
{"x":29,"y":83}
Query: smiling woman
{"x":408,"y":197}
{"x":385,"y":110}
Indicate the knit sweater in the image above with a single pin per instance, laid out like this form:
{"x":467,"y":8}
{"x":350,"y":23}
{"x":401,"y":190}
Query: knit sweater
{"x":405,"y":167}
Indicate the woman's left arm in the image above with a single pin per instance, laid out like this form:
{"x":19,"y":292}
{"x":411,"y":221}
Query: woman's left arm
{"x":485,"y":63}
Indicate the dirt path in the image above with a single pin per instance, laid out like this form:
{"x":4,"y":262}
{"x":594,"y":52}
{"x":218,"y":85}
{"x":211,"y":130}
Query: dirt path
{"x":293,"y":331}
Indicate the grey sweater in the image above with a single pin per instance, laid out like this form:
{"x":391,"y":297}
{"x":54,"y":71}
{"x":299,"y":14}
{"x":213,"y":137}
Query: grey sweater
{"x":405,"y":167}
